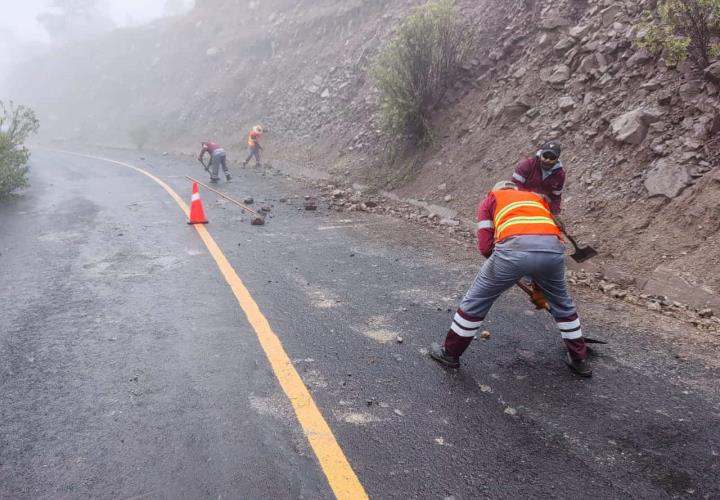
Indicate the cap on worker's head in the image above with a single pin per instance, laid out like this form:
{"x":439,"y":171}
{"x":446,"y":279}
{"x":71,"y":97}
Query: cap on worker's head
{"x":504,"y":185}
{"x":551,"y":147}
{"x":258,"y":129}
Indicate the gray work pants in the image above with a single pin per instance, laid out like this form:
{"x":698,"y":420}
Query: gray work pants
{"x":501,"y":271}
{"x":504,"y":268}
{"x":217,"y":159}
{"x":253,"y":151}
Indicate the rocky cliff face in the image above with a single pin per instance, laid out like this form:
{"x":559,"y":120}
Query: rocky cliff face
{"x":640,"y":137}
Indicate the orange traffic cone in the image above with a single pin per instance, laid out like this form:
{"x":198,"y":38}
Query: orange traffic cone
{"x":197,"y":214}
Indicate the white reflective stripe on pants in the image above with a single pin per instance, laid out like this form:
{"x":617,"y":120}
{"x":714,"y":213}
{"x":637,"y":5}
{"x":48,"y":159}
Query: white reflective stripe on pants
{"x":505,"y":267}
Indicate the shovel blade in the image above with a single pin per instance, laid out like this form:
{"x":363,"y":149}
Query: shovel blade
{"x":583,"y":254}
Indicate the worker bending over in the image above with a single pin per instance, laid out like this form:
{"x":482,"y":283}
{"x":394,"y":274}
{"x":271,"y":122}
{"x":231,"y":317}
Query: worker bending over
{"x":519,"y":237}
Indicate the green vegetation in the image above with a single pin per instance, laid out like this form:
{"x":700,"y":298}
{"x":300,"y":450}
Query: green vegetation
{"x":17,"y":123}
{"x":683,"y":29}
{"x":416,"y":68}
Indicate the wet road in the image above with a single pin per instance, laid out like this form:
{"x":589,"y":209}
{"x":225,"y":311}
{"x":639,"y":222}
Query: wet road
{"x":128,"y":369}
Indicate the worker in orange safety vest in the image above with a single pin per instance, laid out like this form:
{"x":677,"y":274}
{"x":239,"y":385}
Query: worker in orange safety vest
{"x":519,"y":236}
{"x":254,"y":146}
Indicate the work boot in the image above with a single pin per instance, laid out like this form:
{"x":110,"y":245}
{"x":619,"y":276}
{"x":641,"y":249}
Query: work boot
{"x":228,"y":177}
{"x":580,"y":366}
{"x":438,"y":353}
{"x":245,"y":164}
{"x":214,"y":180}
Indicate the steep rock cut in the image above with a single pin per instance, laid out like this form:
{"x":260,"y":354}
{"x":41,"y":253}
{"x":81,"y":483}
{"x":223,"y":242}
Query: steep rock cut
{"x":640,"y":136}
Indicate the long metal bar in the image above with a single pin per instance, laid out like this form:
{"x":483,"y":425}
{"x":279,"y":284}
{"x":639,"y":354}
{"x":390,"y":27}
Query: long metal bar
{"x":226,"y":197}
{"x":528,"y":291}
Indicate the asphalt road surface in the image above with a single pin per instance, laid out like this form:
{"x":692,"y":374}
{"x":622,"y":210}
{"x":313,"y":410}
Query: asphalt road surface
{"x":129,"y":369}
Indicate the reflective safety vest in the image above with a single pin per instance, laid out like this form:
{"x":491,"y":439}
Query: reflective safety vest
{"x":521,"y":212}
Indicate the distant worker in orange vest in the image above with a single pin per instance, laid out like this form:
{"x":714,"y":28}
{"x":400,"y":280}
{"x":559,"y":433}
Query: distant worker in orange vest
{"x":254,"y":146}
{"x":519,"y":237}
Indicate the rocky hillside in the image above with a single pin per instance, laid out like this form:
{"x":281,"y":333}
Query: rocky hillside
{"x":639,"y":135}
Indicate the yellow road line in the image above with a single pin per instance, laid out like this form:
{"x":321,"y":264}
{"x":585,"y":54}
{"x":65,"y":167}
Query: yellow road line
{"x":338,"y":471}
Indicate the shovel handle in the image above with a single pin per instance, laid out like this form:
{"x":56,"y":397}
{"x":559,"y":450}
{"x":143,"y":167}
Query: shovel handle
{"x":564,"y":231}
{"x":574,"y":243}
{"x":527,"y":290}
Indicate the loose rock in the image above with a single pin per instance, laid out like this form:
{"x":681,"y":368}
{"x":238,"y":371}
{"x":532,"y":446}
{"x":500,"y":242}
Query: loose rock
{"x":310,"y":203}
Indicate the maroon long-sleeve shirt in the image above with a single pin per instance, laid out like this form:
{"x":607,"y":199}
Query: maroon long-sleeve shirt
{"x":528,"y":176}
{"x":486,"y":225}
{"x":208,"y":147}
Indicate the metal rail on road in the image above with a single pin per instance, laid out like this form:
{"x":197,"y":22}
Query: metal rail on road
{"x":245,"y":207}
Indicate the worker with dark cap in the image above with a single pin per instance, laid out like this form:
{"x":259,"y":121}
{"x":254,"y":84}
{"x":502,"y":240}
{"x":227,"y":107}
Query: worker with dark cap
{"x":543,"y":174}
{"x":519,"y":237}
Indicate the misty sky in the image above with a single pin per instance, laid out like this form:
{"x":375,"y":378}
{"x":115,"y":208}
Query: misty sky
{"x":19,"y":16}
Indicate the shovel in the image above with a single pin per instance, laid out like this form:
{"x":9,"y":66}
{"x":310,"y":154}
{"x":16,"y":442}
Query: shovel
{"x":206,"y":167}
{"x":527,"y":290}
{"x":581,"y":254}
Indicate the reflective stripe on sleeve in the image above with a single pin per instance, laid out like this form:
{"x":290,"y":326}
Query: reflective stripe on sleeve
{"x":486,"y":224}
{"x":518,"y":177}
{"x":557,"y":193}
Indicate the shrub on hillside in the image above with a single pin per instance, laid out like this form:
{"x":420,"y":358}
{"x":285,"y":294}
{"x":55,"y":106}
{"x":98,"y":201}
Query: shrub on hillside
{"x":139,"y":136}
{"x":16,"y":125}
{"x":683,"y":29}
{"x":415,"y":69}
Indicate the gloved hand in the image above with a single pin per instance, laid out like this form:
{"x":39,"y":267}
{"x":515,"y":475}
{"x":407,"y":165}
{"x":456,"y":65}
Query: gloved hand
{"x":538,"y":298}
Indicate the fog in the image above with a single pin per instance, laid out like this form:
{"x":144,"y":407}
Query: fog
{"x":97,"y":71}
{"x":29,"y":28}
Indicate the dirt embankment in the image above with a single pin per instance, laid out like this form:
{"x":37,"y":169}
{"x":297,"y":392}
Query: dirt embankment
{"x":639,"y":136}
